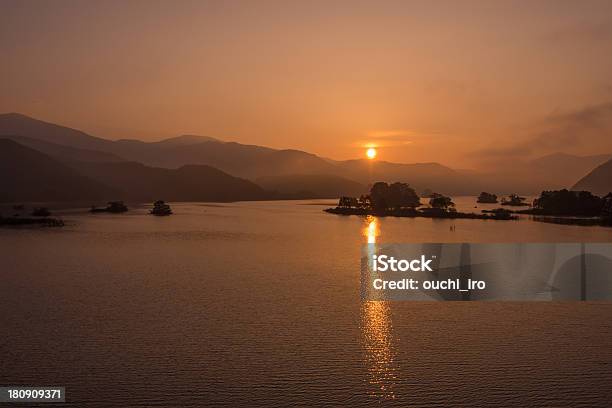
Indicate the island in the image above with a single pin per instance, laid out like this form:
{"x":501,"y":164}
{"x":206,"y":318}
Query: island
{"x":400,"y":200}
{"x":514,"y":200}
{"x":160,"y":208}
{"x":487,"y":198}
{"x":40,"y":216}
{"x":569,"y":208}
{"x":111,"y":207}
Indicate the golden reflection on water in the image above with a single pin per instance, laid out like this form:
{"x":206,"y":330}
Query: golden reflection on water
{"x":371,"y":230}
{"x":377,"y":331}
{"x":380,"y":354}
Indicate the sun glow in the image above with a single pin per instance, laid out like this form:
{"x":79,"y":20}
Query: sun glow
{"x":371,"y":153}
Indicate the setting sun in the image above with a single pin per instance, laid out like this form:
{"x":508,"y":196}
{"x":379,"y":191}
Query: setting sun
{"x":371,"y":153}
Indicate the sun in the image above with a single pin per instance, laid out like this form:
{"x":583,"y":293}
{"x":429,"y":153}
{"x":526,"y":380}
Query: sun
{"x":371,"y":153}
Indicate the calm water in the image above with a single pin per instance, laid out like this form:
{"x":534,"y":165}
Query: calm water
{"x":258,"y":304}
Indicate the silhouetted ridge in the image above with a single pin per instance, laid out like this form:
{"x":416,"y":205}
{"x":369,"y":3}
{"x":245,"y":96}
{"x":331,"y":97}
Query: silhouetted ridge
{"x":63,"y":152}
{"x":138,"y":182}
{"x":598,"y":181}
{"x":22,"y":125}
{"x":554,"y":171}
{"x":302,"y":186}
{"x":27,"y":175}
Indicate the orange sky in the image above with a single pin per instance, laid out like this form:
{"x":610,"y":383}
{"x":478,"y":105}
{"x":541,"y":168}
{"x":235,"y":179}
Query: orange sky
{"x":446,"y":81}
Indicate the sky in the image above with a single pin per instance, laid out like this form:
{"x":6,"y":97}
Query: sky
{"x":463,"y":83}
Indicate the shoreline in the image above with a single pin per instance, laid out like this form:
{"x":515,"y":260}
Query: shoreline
{"x":31,"y":221}
{"x":420,"y":214}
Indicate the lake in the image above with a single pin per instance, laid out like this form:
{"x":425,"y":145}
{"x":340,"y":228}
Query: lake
{"x":257,"y":303}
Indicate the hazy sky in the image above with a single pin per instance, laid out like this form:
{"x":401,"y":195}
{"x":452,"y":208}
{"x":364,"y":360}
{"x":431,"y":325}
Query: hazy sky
{"x":456,"y":82}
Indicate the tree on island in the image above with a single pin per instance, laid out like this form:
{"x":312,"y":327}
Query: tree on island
{"x":364,"y":201}
{"x":485,"y":197}
{"x":379,"y":196}
{"x":440,"y":201}
{"x":565,"y":202}
{"x":394,"y":196}
{"x":384,"y":197}
{"x":348,"y":202}
{"x":514,"y":200}
{"x":607,"y":206}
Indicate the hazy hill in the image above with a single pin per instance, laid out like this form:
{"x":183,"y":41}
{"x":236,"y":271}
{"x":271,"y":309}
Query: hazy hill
{"x":552,"y":172}
{"x":419,"y":175}
{"x":238,"y":159}
{"x":598,"y":181}
{"x":138,"y":182}
{"x":247,"y":161}
{"x":186,"y":140}
{"x":254,"y":162}
{"x":311,"y":186}
{"x":561,"y":170}
{"x":27,"y":175}
{"x":16,"y":124}
{"x":63,"y":152}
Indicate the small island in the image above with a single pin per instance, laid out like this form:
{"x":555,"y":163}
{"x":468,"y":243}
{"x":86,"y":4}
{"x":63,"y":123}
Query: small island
{"x":400,"y":200}
{"x":40,"y":216}
{"x":487,"y":198}
{"x":567,"y":207}
{"x":160,"y":208}
{"x":571,"y":208}
{"x":514,"y":200}
{"x":112,"y":207}
{"x":41,"y":212}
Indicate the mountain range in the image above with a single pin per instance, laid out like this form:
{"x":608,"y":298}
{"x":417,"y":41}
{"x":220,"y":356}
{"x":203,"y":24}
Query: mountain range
{"x":27,"y":175}
{"x":148,"y":170}
{"x":598,"y":181}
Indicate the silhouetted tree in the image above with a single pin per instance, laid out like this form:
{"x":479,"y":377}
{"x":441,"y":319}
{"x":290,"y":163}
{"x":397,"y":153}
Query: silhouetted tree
{"x":515,"y":200}
{"x":565,"y":202}
{"x":395,"y":196}
{"x":607,"y":206}
{"x":347,"y":202}
{"x":441,"y":201}
{"x":485,"y":197}
{"x":379,"y":196}
{"x":364,"y":201}
{"x":402,"y":196}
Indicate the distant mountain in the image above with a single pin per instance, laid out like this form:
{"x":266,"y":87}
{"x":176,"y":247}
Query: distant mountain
{"x":65,"y":153}
{"x":254,"y":162}
{"x":552,"y":172}
{"x":27,"y":175}
{"x":563,"y":170}
{"x":186,"y":140}
{"x":138,"y":182}
{"x":238,"y":159}
{"x":134,"y":146}
{"x":420,"y":176}
{"x":598,"y":181}
{"x":303,"y":186}
{"x":241,"y":160}
{"x":16,"y":124}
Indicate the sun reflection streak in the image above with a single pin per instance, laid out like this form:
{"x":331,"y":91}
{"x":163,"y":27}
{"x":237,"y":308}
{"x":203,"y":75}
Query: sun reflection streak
{"x":371,"y":230}
{"x":377,"y":331}
{"x":380,"y":354}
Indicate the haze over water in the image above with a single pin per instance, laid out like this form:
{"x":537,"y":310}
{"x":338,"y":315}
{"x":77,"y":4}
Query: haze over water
{"x":258,"y":303}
